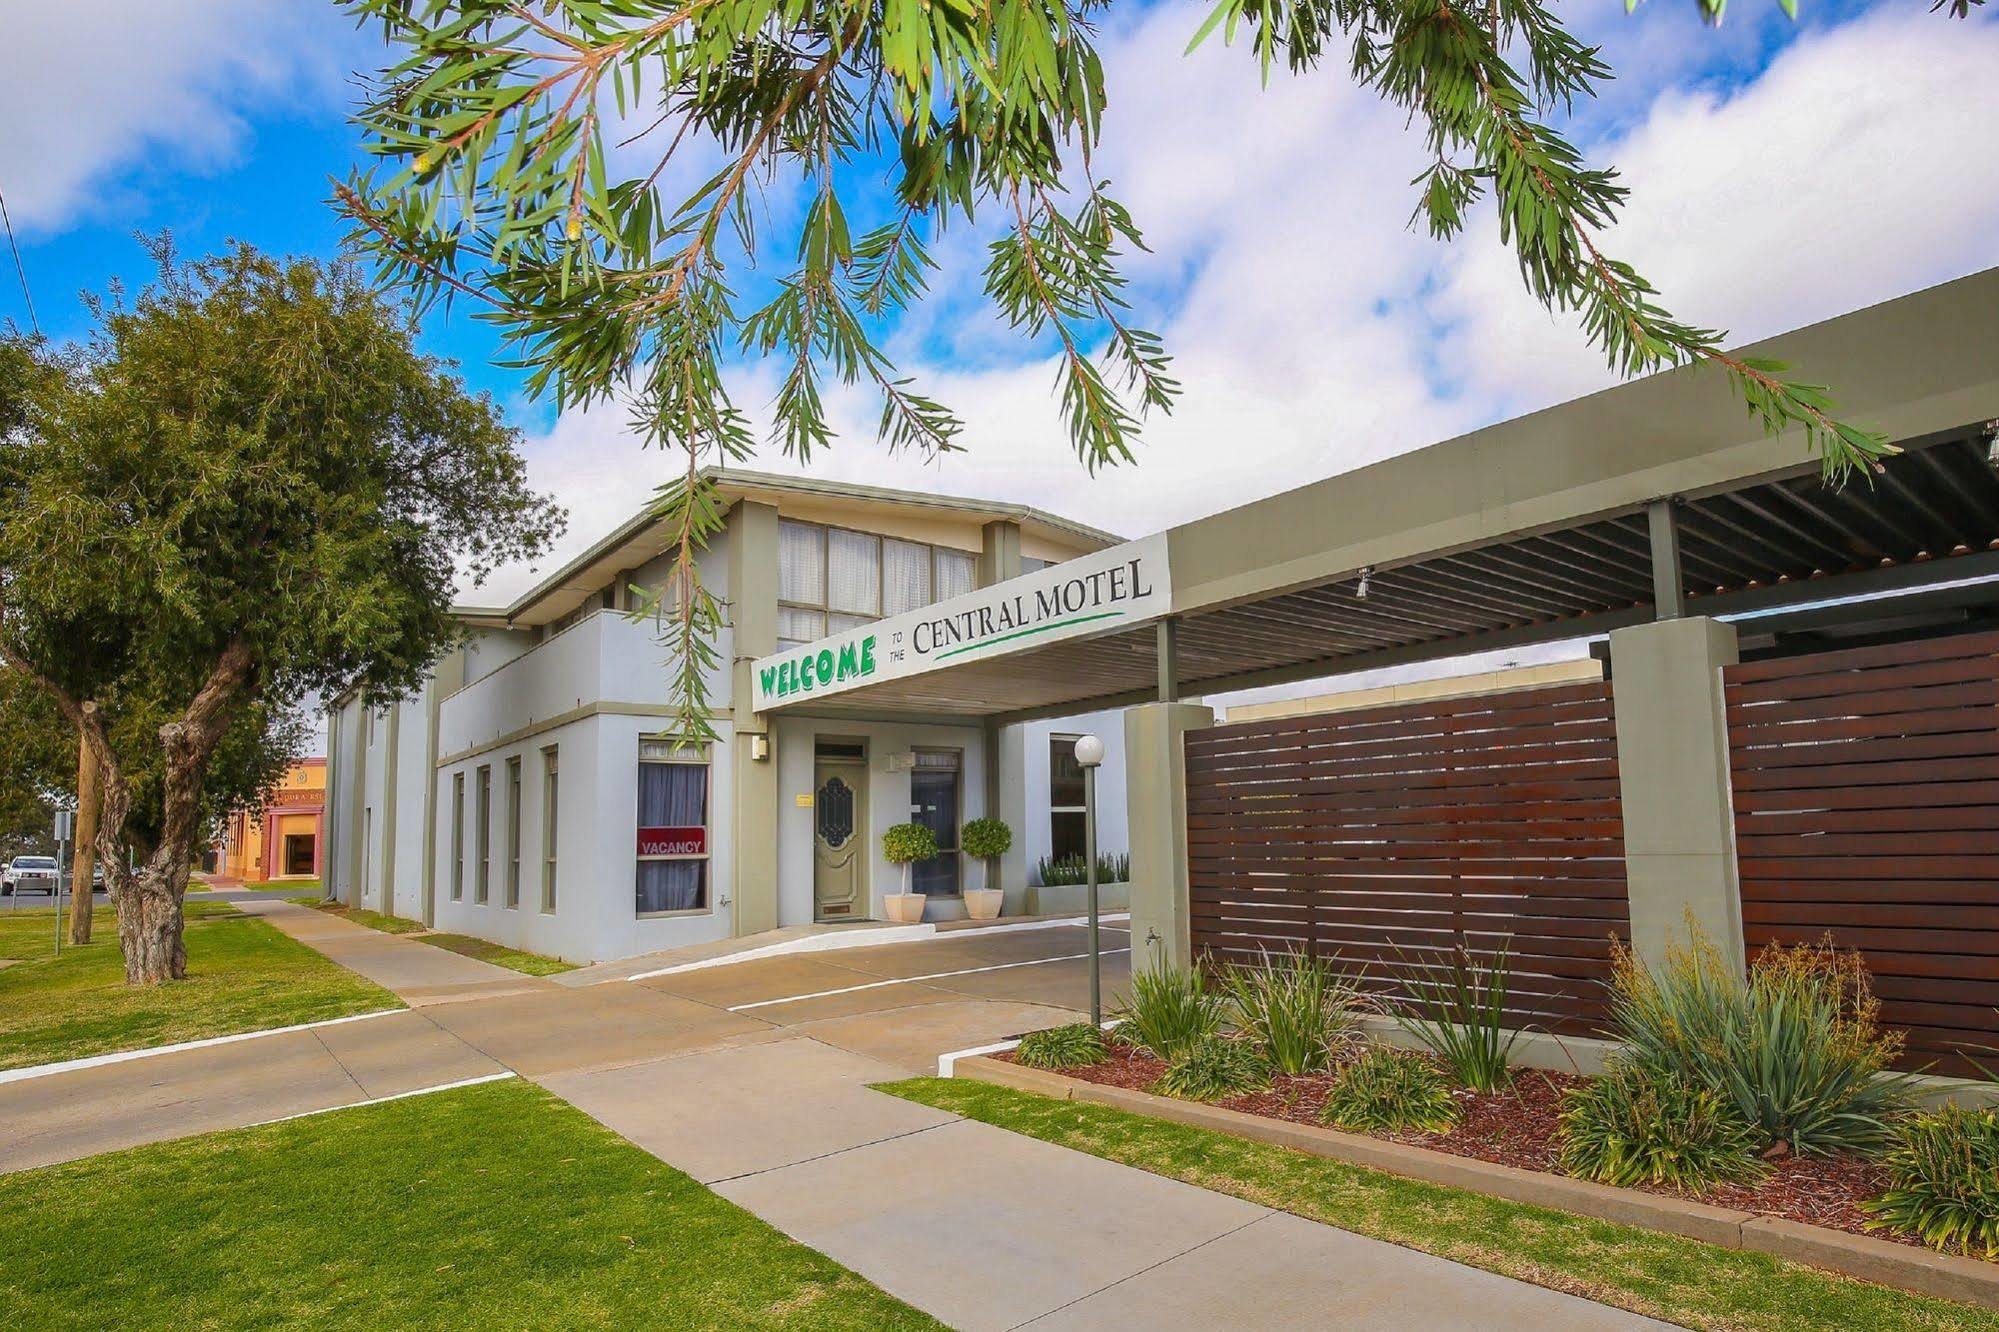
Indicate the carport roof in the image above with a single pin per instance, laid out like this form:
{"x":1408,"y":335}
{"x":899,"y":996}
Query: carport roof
{"x":1545,"y":527}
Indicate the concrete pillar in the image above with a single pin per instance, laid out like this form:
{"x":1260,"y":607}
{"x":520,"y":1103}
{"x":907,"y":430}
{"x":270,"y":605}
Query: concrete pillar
{"x":1672,"y":757}
{"x":1008,"y":745}
{"x":999,"y":554}
{"x":751,"y":538}
{"x":1155,"y":762}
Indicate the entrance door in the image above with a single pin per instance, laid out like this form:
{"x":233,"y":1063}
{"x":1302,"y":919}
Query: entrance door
{"x":299,"y":848}
{"x":840,"y":831}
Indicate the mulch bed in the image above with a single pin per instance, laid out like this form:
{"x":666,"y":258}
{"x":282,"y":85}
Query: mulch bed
{"x":1518,"y":1127}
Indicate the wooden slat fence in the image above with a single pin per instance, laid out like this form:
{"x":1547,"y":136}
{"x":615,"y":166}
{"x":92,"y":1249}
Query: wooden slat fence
{"x":1866,"y":790}
{"x":1381,"y":833}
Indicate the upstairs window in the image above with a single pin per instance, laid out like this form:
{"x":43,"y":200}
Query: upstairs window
{"x":831,"y":579}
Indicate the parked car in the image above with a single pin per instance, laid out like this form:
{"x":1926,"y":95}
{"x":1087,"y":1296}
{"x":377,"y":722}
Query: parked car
{"x":29,"y":874}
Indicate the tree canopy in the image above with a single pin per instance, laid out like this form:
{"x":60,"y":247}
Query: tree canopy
{"x":248,"y":485}
{"x":533,"y":159}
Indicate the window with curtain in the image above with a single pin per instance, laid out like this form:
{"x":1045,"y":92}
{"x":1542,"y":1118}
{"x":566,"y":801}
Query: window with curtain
{"x":957,"y":573}
{"x":831,"y":580}
{"x":673,"y":793}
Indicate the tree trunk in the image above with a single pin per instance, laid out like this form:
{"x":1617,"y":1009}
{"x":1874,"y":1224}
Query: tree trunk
{"x":88,"y":800}
{"x":149,"y":922}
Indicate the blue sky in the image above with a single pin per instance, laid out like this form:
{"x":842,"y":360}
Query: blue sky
{"x":1783,"y":173}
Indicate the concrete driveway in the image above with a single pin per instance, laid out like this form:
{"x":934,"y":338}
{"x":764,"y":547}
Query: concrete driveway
{"x":754,"y":1078}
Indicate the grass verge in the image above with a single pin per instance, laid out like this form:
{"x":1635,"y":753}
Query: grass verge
{"x":243,"y":975}
{"x":1680,"y":1280}
{"x":491,"y":1206}
{"x":485,"y":950}
{"x":374,"y":920}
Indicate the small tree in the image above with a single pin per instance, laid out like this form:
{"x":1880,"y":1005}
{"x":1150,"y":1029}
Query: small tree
{"x":906,"y":843}
{"x":986,"y":840}
{"x":246,"y":487}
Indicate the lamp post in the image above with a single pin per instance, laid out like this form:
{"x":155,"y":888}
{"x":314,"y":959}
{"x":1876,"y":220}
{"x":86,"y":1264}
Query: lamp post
{"x":1090,"y":753}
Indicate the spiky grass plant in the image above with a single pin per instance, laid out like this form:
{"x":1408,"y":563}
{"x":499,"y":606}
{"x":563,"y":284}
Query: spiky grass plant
{"x":1795,"y":1047}
{"x":1074,"y":1046}
{"x":1213,"y":1067}
{"x":1299,"y":1009}
{"x":1390,"y":1091}
{"x":1455,"y":1005}
{"x":1636,"y":1125}
{"x":1944,"y":1190}
{"x":1169,"y":1009}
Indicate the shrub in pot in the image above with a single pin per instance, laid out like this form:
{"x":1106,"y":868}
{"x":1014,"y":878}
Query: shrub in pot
{"x":985,"y":840}
{"x":904,"y":845}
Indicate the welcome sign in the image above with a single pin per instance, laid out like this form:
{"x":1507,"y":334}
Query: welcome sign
{"x":1091,"y":594}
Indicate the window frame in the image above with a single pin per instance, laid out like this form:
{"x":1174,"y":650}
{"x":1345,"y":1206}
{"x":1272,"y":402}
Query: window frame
{"x":1055,"y":740}
{"x":823,"y":607}
{"x":699,"y":756}
{"x":551,"y":773}
{"x":458,"y":836}
{"x":511,"y":898}
{"x":482,"y":822}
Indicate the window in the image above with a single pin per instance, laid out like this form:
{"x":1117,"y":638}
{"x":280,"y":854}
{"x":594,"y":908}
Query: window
{"x":457,"y":836}
{"x":513,"y":834}
{"x":672,"y":828}
{"x":831,"y":579}
{"x":936,"y":801}
{"x":482,"y":831}
{"x":549,"y":778}
{"x":1066,"y":832}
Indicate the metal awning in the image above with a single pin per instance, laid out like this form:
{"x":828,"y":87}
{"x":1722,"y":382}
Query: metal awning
{"x":1657,"y":497}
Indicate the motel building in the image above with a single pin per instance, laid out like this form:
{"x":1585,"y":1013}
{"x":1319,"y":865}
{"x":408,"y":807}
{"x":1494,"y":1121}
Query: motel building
{"x":532,"y":794}
{"x":1787,"y":727}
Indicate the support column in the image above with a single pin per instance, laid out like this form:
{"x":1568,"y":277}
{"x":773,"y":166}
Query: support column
{"x":751,"y":538}
{"x":1672,"y":756}
{"x":1155,"y":765}
{"x":999,"y":554}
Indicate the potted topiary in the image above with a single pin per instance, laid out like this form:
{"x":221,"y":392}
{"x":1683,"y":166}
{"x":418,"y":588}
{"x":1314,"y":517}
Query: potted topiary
{"x":904,"y":844}
{"x":985,"y":840}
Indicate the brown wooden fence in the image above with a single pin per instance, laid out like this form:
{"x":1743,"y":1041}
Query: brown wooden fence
{"x":1380,"y":833}
{"x":1867,"y":806}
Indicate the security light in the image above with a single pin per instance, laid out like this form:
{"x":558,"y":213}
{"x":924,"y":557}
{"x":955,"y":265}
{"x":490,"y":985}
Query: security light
{"x":1365,"y":574}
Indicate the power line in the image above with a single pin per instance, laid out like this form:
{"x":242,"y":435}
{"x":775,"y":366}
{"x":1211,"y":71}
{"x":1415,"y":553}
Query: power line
{"x":19,"y":267}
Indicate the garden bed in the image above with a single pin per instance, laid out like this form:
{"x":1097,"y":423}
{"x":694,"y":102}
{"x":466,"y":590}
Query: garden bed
{"x":1517,"y":1127}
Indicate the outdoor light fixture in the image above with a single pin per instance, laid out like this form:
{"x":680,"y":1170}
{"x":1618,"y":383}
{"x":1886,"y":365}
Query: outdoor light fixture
{"x":1090,"y":753}
{"x":759,"y":749}
{"x":1992,"y":442}
{"x":1365,"y":574}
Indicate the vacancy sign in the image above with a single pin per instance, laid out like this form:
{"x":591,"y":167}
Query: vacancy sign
{"x":1097,"y":593}
{"x":673,"y":841}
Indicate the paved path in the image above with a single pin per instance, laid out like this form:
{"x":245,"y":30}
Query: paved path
{"x":754,"y":1079}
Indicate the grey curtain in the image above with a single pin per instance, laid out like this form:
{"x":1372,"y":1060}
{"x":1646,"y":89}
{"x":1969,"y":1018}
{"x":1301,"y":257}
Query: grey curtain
{"x":673,"y":795}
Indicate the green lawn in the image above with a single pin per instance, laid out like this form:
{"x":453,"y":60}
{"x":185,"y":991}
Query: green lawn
{"x":1679,"y":1280}
{"x":374,"y":920}
{"x":243,"y":975}
{"x":491,"y":1206}
{"x":532,"y":964}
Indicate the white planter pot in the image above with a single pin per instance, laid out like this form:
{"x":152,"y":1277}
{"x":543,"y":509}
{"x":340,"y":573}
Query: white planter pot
{"x":983,"y":903}
{"x":904,"y":908}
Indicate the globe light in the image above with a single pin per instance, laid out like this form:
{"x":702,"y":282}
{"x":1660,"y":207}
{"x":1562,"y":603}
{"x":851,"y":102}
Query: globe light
{"x":1089,"y":751}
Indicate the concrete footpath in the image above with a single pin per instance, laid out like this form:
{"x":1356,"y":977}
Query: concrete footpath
{"x":754,"y":1079}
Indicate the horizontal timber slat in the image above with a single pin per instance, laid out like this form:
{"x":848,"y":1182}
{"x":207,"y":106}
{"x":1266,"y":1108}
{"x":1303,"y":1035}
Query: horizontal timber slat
{"x":1389,"y":832}
{"x":1866,"y":795}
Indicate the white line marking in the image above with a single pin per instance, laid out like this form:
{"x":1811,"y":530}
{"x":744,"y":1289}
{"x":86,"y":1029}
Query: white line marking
{"x":98,"y":1061}
{"x":911,"y":980}
{"x":865,"y":938}
{"x":382,"y":1100}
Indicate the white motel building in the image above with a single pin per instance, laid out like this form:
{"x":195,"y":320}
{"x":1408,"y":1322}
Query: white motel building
{"x":531,"y":793}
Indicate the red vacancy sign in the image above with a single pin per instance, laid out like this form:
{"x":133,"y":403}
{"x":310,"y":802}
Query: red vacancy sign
{"x":673,"y":841}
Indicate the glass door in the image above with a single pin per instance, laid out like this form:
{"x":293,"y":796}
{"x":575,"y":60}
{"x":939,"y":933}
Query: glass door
{"x":936,"y":801}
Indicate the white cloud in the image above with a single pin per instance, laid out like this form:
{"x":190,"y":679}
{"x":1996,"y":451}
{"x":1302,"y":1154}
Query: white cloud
{"x":1315,"y":332}
{"x":95,"y":88}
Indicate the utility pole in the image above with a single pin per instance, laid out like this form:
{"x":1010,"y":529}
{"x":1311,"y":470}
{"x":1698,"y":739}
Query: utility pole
{"x":89,"y":797}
